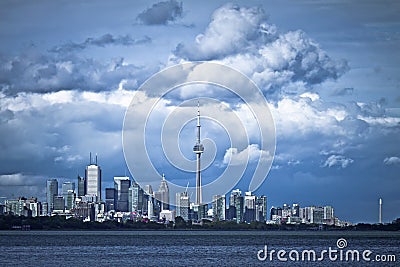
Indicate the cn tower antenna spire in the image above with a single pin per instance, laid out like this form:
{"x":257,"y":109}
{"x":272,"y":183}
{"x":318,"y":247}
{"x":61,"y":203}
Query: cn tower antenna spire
{"x":198,"y":150}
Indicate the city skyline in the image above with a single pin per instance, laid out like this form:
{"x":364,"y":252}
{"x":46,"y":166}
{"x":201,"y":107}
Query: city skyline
{"x":328,"y":71}
{"x":128,"y":201}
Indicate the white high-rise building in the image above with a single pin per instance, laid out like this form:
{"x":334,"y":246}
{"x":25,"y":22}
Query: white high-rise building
{"x":249,"y":200}
{"x":93,"y":180}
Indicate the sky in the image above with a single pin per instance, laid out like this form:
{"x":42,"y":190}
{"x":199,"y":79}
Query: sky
{"x":328,"y":70}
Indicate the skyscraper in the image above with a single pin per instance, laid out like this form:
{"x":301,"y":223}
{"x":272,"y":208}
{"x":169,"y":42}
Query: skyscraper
{"x":110,"y":199}
{"x":162,"y":194}
{"x":59,"y":204}
{"x":148,"y":191}
{"x":249,"y":207}
{"x":261,"y":208}
{"x":70,"y":199}
{"x":81,"y":186}
{"x":51,"y":192}
{"x":182,"y":205}
{"x":121,"y":186}
{"x":137,"y":199}
{"x":218,"y":207}
{"x":66,"y":187}
{"x":198,"y":149}
{"x":236,"y":203}
{"x":93,"y":179}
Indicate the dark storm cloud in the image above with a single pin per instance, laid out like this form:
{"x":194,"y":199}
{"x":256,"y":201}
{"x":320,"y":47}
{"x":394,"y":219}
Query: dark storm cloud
{"x":41,"y":73}
{"x":161,"y":13}
{"x":106,"y":39}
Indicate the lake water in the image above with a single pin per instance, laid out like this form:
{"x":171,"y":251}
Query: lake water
{"x":190,"y":248}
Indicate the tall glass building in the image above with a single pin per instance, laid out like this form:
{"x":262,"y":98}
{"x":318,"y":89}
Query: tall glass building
{"x":51,"y":192}
{"x":218,"y":207}
{"x":261,"y":209}
{"x":81,"y":187}
{"x":137,"y":199}
{"x":68,"y":190}
{"x":182,"y":205}
{"x":121,"y":186}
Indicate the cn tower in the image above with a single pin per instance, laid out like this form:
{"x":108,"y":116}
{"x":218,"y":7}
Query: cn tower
{"x":198,"y":150}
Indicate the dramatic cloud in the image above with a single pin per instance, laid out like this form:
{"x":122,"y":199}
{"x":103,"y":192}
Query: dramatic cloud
{"x":278,"y":62}
{"x":161,"y":13}
{"x":58,"y":129}
{"x":392,"y":161}
{"x":36,"y":72}
{"x":106,"y":39}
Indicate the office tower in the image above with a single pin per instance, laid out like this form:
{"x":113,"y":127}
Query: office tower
{"x":162,"y":194}
{"x":157,"y":204}
{"x":137,"y":199}
{"x":81,"y":186}
{"x":110,"y":199}
{"x":273,"y":213}
{"x":328,"y":213}
{"x":93,"y":179}
{"x":34,"y":206}
{"x":236,"y":200}
{"x":148,"y":190}
{"x":202,"y":211}
{"x":121,"y":186}
{"x":51,"y":192}
{"x":249,"y":207}
{"x":59,"y":204}
{"x":261,"y":209}
{"x":44,"y":210}
{"x":317,"y":215}
{"x":295,"y":210}
{"x":148,"y":200}
{"x":218,"y":207}
{"x":70,"y":199}
{"x":150,"y":207}
{"x":239,"y":205}
{"x":231,"y":213}
{"x":65,"y":187}
{"x":286,"y":211}
{"x":198,"y":149}
{"x":182,"y":205}
{"x":380,"y":210}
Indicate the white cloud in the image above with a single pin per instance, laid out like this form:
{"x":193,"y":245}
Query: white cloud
{"x":250,"y":154}
{"x":295,"y":118}
{"x":277,"y":62}
{"x":312,"y":96}
{"x":231,"y":28}
{"x":381,"y":121}
{"x":391,"y":161}
{"x":338,"y":160}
